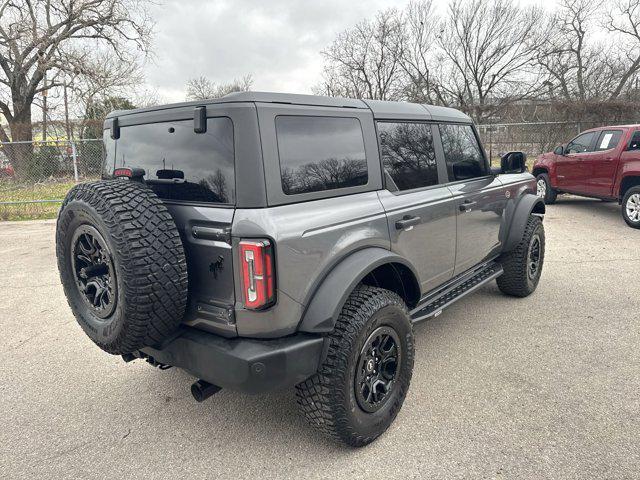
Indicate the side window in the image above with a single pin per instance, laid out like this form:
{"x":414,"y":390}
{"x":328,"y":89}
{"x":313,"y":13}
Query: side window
{"x":462,"y":152}
{"x":408,"y":156}
{"x":635,"y":141}
{"x":582,"y":143}
{"x":608,"y":140}
{"x":320,"y":153}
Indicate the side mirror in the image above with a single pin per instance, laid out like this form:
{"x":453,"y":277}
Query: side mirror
{"x":513,"y":162}
{"x":559,"y":150}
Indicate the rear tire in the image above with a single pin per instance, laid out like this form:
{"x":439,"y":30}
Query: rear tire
{"x":339,"y":399}
{"x":523,"y":265}
{"x":122,"y":264}
{"x":544,"y":189}
{"x":631,"y":207}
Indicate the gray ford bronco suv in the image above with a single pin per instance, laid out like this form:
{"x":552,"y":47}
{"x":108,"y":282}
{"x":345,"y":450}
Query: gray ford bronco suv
{"x":263,"y":241}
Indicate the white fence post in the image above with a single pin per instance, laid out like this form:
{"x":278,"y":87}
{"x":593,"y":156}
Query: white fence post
{"x":74,"y":156}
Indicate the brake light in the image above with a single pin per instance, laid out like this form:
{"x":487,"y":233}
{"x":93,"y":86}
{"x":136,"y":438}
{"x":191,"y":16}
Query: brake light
{"x":127,"y":172}
{"x":122,"y":172}
{"x":258,"y":280}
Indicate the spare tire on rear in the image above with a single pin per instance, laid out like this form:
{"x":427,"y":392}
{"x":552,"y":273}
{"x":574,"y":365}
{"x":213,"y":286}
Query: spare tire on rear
{"x":122,"y":264}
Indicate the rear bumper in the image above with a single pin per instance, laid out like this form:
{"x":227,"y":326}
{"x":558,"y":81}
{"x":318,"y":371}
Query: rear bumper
{"x":247,"y":365}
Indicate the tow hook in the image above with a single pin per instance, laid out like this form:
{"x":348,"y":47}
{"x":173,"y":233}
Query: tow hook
{"x":201,"y":390}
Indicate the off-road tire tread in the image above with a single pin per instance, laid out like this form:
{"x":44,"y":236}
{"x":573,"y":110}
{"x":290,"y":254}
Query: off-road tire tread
{"x":321,"y":397}
{"x":514,"y":263}
{"x":150,"y":254}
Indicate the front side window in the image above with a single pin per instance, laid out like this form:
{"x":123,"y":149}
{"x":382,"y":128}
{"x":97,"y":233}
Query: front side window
{"x":180,"y":164}
{"x":582,"y":143}
{"x":408,"y":156}
{"x":462,"y":152}
{"x":320,"y":153}
{"x":608,"y":140}
{"x":635,"y":141}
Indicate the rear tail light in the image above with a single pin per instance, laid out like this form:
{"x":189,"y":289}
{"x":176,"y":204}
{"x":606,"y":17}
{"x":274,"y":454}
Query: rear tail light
{"x":258,"y":280}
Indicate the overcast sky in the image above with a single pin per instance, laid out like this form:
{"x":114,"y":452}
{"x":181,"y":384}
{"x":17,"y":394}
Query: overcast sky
{"x":276,"y":41}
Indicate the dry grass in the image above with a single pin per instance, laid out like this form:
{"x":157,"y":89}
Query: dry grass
{"x":51,"y":191}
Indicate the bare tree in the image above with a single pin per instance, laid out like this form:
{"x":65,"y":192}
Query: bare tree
{"x":54,"y":38}
{"x":624,"y":20}
{"x":578,"y":66}
{"x":489,"y":47}
{"x":364,"y":62}
{"x":567,"y":57}
{"x":103,"y":79}
{"x":421,"y":26}
{"x":202,"y":88}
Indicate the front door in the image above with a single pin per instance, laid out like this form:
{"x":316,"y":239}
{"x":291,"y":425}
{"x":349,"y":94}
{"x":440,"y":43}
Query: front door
{"x":420,"y":209}
{"x":480,"y":206}
{"x":478,"y":195}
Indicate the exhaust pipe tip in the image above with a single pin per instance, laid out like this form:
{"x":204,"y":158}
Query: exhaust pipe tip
{"x":201,"y":390}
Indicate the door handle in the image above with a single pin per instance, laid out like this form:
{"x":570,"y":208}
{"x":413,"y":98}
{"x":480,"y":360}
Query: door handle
{"x":466,"y":206}
{"x":407,"y":222}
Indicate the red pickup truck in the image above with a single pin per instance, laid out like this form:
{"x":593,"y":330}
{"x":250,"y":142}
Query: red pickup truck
{"x":600,"y":163}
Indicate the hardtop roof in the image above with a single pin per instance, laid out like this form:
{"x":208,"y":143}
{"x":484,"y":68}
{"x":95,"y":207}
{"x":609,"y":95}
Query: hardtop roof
{"x":381,"y":109}
{"x":612,"y":127}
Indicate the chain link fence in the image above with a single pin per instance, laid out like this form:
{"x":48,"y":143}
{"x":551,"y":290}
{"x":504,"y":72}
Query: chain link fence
{"x":532,"y":138}
{"x":35,"y":176}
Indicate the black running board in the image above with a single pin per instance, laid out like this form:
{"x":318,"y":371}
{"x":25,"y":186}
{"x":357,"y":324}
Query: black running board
{"x":435,"y":303}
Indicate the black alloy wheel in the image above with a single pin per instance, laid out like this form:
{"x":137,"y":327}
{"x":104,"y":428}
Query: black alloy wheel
{"x":378,"y":366}
{"x":93,"y":271}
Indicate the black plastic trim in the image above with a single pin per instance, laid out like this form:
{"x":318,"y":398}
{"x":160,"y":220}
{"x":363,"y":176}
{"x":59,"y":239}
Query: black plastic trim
{"x":243,"y":364}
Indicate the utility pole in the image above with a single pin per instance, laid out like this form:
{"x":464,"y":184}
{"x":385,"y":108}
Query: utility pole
{"x":44,"y":109}
{"x":66,"y":113}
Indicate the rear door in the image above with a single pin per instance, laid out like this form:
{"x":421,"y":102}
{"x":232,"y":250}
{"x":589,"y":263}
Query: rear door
{"x":420,"y":208}
{"x":479,"y":196}
{"x":194,"y":174}
{"x":574,"y":169}
{"x":604,"y":162}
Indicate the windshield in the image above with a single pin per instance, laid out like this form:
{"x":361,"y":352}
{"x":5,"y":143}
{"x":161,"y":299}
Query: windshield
{"x":179,"y":164}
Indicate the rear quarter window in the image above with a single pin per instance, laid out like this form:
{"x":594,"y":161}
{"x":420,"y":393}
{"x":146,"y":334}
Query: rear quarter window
{"x":608,"y":140}
{"x":179,"y":164}
{"x":320,"y":153}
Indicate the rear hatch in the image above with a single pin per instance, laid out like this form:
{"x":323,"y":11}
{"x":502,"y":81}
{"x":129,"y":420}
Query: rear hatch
{"x":194,"y":174}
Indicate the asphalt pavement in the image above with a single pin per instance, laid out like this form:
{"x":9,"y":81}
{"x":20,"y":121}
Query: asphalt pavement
{"x":542,"y":387}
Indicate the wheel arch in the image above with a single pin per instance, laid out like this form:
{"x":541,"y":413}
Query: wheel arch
{"x":538,"y":170}
{"x":527,"y":205}
{"x":628,"y":182}
{"x":373,"y":266}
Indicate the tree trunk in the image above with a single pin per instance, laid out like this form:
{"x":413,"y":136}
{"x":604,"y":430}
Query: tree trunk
{"x":20,"y":154}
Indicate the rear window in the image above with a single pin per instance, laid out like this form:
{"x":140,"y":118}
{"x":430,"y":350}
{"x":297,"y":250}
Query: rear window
{"x":320,"y":153}
{"x":179,"y":164}
{"x":408,"y":156}
{"x":608,"y":139}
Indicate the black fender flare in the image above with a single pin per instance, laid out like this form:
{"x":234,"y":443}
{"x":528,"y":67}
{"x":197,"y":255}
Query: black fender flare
{"x":527,"y":205}
{"x":324,"y":308}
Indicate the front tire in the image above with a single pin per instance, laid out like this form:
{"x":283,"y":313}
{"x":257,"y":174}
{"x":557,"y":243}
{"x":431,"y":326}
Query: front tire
{"x":523,"y":265}
{"x":361,"y":385}
{"x":631,"y":207}
{"x":544,"y":189}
